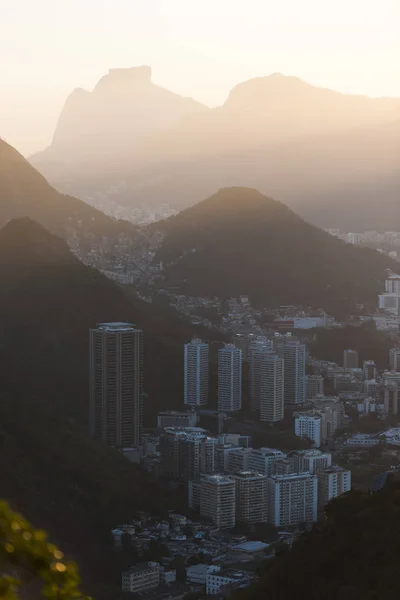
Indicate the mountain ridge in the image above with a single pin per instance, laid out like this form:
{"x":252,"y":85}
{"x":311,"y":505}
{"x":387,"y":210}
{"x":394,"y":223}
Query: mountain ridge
{"x":239,"y":241}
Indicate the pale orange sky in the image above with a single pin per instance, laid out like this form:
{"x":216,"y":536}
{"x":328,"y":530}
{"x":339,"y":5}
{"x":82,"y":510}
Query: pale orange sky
{"x":199,"y":48}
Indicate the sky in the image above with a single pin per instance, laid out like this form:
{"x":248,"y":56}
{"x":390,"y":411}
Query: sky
{"x":198,"y":48}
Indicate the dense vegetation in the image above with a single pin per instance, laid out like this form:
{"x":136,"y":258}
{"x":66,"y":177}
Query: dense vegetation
{"x":241,"y":242}
{"x":353,"y":554}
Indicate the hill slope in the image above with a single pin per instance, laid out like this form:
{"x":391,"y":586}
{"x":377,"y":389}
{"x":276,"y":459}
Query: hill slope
{"x":50,"y":470}
{"x":308,"y":146}
{"x":241,"y":242}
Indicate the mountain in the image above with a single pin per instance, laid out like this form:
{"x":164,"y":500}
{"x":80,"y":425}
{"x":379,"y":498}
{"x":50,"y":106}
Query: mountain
{"x":315,"y":149}
{"x":241,"y":242}
{"x":353,"y":554}
{"x":123,"y":110}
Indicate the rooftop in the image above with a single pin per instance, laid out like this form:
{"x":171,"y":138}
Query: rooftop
{"x":143,"y":566}
{"x":116,"y":326}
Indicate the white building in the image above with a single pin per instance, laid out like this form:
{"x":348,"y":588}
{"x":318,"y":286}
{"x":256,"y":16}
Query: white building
{"x":215,"y":581}
{"x":332,"y":482}
{"x":141,"y":577}
{"x":271,"y":390}
{"x":310,"y":461}
{"x":218,"y":500}
{"x":229,"y":378}
{"x":295,"y":372}
{"x":196,"y":373}
{"x":198,"y":573}
{"x":292,"y":499}
{"x":314,"y":386}
{"x":263,"y":460}
{"x":251,"y":497}
{"x":309,"y":426}
{"x":167,"y":576}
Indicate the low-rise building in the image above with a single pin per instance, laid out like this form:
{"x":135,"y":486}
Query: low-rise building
{"x":198,"y":573}
{"x":167,"y":575}
{"x":215,"y":581}
{"x":141,"y":577}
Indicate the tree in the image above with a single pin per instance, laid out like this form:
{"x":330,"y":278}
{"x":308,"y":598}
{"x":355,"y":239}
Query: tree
{"x":29,"y":552}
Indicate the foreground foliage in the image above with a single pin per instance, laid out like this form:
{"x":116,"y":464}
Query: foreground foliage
{"x":26,"y":551}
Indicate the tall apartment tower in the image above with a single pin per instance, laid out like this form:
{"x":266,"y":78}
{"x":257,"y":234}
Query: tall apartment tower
{"x":258,"y":351}
{"x":350,"y":359}
{"x":196,"y":373}
{"x":271,"y":388}
{"x":292,"y":499}
{"x":229,"y":378}
{"x":295,"y":373}
{"x":314,"y":386}
{"x":394,"y":359}
{"x":332,"y":482}
{"x":116,"y":384}
{"x":251,"y":497}
{"x":218,"y":500}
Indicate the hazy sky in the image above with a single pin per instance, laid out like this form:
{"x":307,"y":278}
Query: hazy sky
{"x":198,"y":48}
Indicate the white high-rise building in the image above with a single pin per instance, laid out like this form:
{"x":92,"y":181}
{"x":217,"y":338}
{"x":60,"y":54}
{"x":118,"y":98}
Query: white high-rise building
{"x":309,"y":426}
{"x":332,"y":482}
{"x":218,"y":500}
{"x":394,"y":359}
{"x":295,"y":373}
{"x":310,"y":461}
{"x":262,"y":460}
{"x":196,"y":373}
{"x":292,"y":499}
{"x":271,"y":392}
{"x":229,"y":378}
{"x":314,"y":386}
{"x":251,"y":497}
{"x":116,"y":384}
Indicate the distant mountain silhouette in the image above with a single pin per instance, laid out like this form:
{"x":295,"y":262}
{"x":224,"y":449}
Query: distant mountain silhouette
{"x":241,"y":242}
{"x":312,"y":148}
{"x":124,"y":109}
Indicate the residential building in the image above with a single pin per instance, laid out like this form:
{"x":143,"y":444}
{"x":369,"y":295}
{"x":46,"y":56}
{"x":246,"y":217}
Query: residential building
{"x":263,"y":460}
{"x":174,"y":418}
{"x":215,"y":581}
{"x":251,"y":497}
{"x":198,"y":573}
{"x":314,"y":386}
{"x":369,"y":369}
{"x":271,"y":390}
{"x":167,"y":576}
{"x":217,"y":500}
{"x":394,"y":359}
{"x":194,"y":493}
{"x":295,"y":373}
{"x":259,"y":350}
{"x":229,"y":378}
{"x":196,"y":373}
{"x":116,"y":384}
{"x":186,"y":453}
{"x":308,"y":425}
{"x":350,"y":359}
{"x":332,"y":482}
{"x":310,"y":461}
{"x":222,"y":454}
{"x":141,"y":577}
{"x":391,"y":393}
{"x":292,"y":499}
{"x":238,"y":460}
